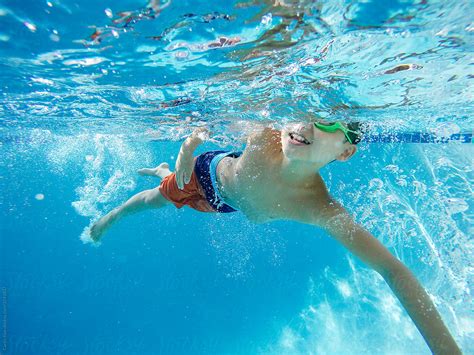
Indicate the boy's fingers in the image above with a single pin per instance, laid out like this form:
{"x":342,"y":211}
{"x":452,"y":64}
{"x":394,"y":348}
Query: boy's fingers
{"x":178,"y":181}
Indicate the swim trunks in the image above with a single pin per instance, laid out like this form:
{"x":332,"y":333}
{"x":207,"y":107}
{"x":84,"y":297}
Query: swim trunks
{"x":192,"y":194}
{"x":201,"y":193}
{"x":205,"y":169}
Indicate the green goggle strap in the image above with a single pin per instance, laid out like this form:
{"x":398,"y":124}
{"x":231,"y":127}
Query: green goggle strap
{"x":334,"y":127}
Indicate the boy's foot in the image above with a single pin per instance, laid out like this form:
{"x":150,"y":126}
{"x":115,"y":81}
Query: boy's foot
{"x":97,"y":230}
{"x":101,"y":226}
{"x":160,"y":171}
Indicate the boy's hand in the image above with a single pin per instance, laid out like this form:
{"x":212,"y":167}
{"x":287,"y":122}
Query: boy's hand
{"x":184,"y":168}
{"x":185,"y":162}
{"x":199,"y":135}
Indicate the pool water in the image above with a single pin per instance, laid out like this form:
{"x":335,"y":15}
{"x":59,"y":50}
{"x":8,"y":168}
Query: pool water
{"x":92,"y":91}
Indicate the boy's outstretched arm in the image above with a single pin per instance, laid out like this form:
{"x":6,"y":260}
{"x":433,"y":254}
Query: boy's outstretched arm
{"x":339,"y":224}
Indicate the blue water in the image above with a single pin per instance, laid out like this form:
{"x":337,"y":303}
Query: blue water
{"x":79,"y":114}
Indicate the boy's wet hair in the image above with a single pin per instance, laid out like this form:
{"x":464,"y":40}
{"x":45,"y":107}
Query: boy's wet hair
{"x":357,"y":127}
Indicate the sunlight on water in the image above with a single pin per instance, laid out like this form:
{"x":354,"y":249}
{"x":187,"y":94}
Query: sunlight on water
{"x":319,"y":58}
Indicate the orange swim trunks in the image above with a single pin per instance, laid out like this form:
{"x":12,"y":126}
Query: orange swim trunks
{"x":192,"y":195}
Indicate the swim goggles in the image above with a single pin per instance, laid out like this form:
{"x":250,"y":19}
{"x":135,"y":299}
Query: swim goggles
{"x":331,"y":127}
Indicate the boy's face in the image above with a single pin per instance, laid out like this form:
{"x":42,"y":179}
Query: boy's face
{"x":304,"y":142}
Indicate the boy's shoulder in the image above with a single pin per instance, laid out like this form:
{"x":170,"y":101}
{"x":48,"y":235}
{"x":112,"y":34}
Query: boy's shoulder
{"x":264,"y":134}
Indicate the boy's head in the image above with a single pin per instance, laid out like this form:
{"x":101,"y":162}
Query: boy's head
{"x":320,"y":142}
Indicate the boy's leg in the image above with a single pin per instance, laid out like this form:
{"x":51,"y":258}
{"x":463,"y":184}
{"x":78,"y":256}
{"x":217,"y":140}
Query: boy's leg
{"x":141,"y":201}
{"x":160,"y":171}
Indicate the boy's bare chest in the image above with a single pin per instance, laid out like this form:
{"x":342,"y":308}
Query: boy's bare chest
{"x":251,"y":183}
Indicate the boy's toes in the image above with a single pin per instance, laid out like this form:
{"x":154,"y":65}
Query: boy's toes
{"x":160,"y":171}
{"x":95,"y":233}
{"x":146,"y":171}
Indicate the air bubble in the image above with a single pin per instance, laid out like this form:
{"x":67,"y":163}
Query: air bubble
{"x":30,"y":26}
{"x":267,"y":19}
{"x":39,"y":197}
{"x":54,"y":37}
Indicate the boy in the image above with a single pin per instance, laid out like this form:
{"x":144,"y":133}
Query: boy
{"x":277,"y":177}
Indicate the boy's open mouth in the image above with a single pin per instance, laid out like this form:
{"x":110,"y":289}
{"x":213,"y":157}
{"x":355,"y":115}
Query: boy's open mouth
{"x":298,"y":139}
